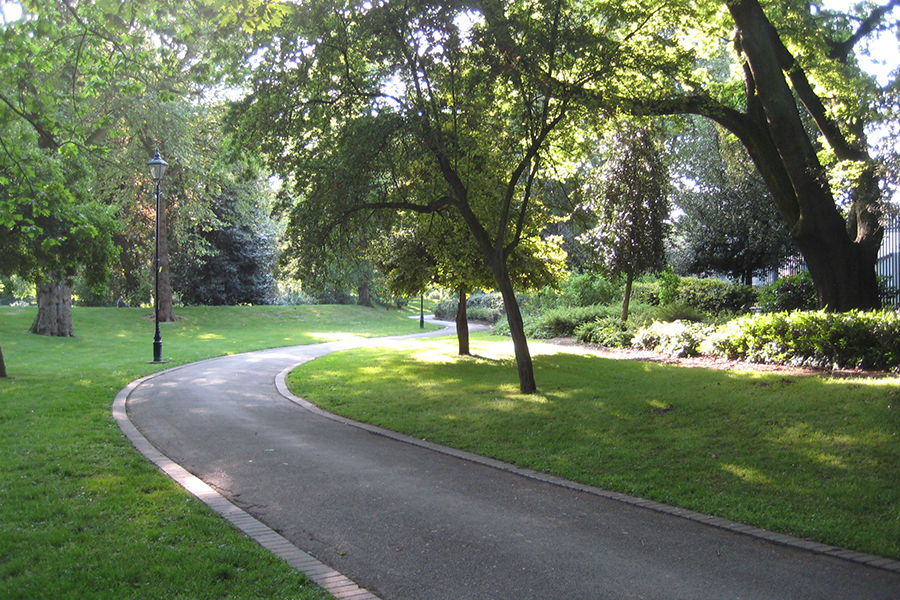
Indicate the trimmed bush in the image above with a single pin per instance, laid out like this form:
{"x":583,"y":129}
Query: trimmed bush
{"x":714,"y":296}
{"x":677,"y":338}
{"x":796,"y":292}
{"x":853,"y":339}
{"x":445,"y":309}
{"x":479,"y":307}
{"x":489,"y":315}
{"x":711,"y":296}
{"x":678,"y":312}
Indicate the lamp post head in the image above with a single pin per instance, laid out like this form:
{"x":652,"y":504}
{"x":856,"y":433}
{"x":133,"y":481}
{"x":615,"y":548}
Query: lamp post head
{"x":157,"y":167}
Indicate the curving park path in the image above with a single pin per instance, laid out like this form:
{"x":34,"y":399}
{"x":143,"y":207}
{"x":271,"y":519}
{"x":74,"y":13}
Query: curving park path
{"x":371,"y":514}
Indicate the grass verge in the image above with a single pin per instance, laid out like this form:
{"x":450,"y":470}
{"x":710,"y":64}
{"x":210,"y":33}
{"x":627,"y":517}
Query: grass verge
{"x":815,"y":457}
{"x":82,"y":515}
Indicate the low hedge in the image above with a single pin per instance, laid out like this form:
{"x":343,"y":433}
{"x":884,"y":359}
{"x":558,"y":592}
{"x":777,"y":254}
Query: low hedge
{"x":479,"y":307}
{"x":856,"y":339}
{"x":677,"y":338}
{"x":853,"y":339}
{"x":714,"y":296}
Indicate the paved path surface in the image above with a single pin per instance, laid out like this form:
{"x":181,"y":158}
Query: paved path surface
{"x":386,"y":518}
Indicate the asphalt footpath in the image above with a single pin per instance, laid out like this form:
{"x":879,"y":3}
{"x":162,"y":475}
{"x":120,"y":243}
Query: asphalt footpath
{"x":369,"y":514}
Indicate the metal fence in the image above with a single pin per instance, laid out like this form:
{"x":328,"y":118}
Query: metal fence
{"x":888,"y":265}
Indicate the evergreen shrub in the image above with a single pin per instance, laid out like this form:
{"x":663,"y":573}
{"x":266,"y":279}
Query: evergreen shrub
{"x":677,"y":338}
{"x":645,"y":292}
{"x":480,"y":306}
{"x":678,"y":312}
{"x":608,"y":332}
{"x":796,"y":292}
{"x":562,"y":322}
{"x":445,"y":309}
{"x":714,"y":296}
{"x":588,"y":289}
{"x":611,"y":332}
{"x":853,"y":339}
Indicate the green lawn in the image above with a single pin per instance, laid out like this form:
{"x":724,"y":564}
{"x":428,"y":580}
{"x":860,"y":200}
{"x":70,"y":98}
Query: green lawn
{"x":82,"y":515}
{"x":816,"y":457}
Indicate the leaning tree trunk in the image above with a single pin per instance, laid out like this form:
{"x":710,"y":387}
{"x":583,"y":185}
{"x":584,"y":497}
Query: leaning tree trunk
{"x":462,"y":324}
{"x":54,"y":316}
{"x":842,"y":267}
{"x":527,"y":384}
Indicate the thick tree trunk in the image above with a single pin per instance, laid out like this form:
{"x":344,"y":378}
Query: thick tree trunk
{"x":54,"y":316}
{"x":843,"y":268}
{"x":166,"y":308}
{"x":363,"y":297}
{"x":2,"y":365}
{"x":747,"y":277}
{"x":462,"y":324}
{"x":841,"y":256}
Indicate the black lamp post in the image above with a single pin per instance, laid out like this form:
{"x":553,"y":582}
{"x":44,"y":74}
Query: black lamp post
{"x":157,"y":172}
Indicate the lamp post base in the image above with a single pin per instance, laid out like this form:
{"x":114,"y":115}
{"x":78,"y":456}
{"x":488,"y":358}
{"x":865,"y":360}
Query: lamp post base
{"x":157,"y":347}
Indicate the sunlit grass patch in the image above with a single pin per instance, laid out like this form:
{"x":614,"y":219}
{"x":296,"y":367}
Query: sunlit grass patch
{"x":811,"y":456}
{"x":82,"y":515}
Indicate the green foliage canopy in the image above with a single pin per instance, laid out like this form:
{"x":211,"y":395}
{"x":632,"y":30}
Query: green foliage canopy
{"x":425,"y":108}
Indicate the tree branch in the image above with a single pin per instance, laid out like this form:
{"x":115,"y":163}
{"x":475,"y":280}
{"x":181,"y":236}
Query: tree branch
{"x":840,"y":51}
{"x":46,"y":137}
{"x":828,"y":126}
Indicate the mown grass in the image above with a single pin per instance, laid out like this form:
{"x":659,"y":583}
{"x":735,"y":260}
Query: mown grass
{"x":82,"y":515}
{"x":816,"y":457}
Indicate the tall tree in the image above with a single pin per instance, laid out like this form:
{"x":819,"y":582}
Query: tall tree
{"x":77,"y":81}
{"x":51,"y":229}
{"x":802,"y":92}
{"x":68,"y":73}
{"x":726,"y":223}
{"x":50,"y":70}
{"x":233,"y":259}
{"x":630,"y":196}
{"x":424,"y":107}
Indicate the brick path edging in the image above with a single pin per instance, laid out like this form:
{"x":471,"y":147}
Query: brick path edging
{"x":872,"y":560}
{"x":341,"y":587}
{"x":336,"y":584}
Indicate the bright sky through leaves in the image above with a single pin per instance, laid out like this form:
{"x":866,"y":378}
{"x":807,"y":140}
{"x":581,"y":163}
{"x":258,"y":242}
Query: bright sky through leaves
{"x":10,"y":11}
{"x":880,"y":55}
